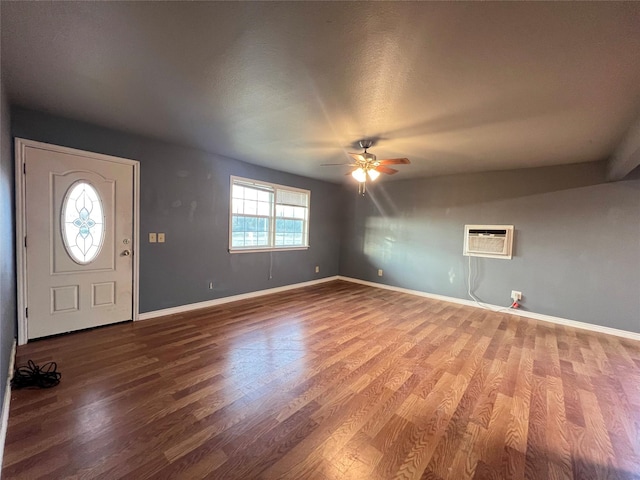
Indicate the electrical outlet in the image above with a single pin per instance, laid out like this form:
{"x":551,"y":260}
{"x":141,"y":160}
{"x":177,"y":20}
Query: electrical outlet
{"x":317,"y":269}
{"x":161,"y":238}
{"x":210,"y":285}
{"x":152,"y":238}
{"x":379,"y":272}
{"x":515,"y":295}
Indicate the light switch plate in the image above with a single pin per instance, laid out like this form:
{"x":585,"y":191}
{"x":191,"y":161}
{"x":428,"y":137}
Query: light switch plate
{"x":152,"y":238}
{"x":161,"y":238}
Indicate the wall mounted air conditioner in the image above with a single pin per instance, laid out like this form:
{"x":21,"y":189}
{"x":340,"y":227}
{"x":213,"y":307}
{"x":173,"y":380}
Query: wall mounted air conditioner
{"x":493,"y":241}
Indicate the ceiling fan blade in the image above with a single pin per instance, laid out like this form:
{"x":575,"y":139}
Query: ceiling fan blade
{"x":333,"y":164}
{"x":395,"y":161}
{"x":387,"y":170}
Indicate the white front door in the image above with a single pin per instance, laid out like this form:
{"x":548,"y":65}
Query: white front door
{"x":78,"y":221}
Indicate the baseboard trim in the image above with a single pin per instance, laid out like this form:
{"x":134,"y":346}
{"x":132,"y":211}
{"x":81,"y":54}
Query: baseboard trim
{"x":6,"y":403}
{"x":234,"y":298}
{"x":520,"y":313}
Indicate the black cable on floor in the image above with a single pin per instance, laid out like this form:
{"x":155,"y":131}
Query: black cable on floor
{"x":31,"y":375}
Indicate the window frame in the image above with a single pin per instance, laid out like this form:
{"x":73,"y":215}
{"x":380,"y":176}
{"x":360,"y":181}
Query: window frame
{"x":273,"y":187}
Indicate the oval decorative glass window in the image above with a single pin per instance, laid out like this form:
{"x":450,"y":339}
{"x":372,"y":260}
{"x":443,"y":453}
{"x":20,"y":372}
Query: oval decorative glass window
{"x":82,"y":222}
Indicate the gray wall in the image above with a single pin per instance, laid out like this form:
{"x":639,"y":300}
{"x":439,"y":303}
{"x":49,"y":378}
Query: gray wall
{"x":7,"y":244}
{"x":185,"y":193}
{"x":577,"y":239}
{"x":577,"y":247}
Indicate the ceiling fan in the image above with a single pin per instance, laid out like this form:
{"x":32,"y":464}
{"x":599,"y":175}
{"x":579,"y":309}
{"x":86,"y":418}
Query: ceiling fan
{"x":366,"y":164}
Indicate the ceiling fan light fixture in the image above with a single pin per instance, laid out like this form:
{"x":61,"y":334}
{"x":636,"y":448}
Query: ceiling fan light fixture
{"x":366,"y":166}
{"x":373,"y":174}
{"x":359,"y":174}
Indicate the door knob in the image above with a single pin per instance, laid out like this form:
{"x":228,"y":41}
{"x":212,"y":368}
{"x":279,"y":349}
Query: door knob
{"x":126,"y":253}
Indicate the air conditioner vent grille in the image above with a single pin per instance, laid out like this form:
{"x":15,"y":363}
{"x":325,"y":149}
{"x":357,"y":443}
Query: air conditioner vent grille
{"x":493,"y":241}
{"x":486,"y":244}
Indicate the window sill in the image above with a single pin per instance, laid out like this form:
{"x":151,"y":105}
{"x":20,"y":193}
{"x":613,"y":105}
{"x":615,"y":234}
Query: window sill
{"x":268,"y":249}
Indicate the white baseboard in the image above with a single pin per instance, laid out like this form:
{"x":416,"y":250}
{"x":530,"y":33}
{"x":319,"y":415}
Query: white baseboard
{"x":461,"y":301}
{"x":5,"y":404}
{"x":233,"y":298}
{"x":521,"y":313}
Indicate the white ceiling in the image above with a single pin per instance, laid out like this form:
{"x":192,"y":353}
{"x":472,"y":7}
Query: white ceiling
{"x":456,"y":87}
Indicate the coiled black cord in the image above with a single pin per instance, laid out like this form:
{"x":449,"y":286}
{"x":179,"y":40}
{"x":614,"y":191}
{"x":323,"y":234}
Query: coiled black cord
{"x":31,"y":375}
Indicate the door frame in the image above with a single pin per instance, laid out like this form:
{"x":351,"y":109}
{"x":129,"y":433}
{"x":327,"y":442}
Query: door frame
{"x":21,"y":145}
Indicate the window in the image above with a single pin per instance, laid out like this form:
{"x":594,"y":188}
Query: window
{"x":82,"y":223}
{"x":265,"y":216}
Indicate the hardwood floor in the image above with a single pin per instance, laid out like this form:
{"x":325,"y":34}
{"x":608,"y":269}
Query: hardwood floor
{"x":335,"y":381}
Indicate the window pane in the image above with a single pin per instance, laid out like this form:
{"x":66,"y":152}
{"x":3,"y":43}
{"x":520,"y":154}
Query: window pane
{"x":291,"y":212}
{"x":238,"y":191}
{"x":237,"y":239}
{"x":264,"y":208}
{"x":250,"y":194}
{"x":249,"y":231}
{"x":237,"y":206}
{"x":250,"y":208}
{"x":289,"y":232}
{"x":82,"y":222}
{"x":299,"y":212}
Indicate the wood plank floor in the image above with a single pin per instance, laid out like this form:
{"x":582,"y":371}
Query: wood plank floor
{"x":335,"y":381}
